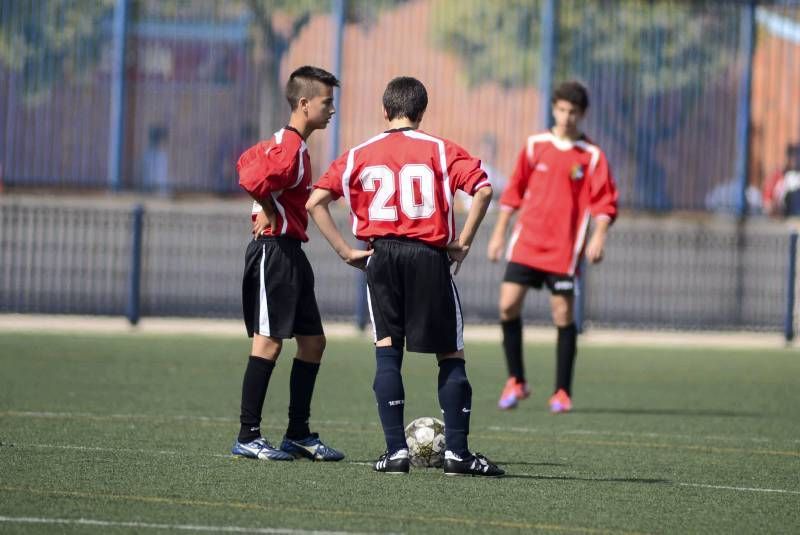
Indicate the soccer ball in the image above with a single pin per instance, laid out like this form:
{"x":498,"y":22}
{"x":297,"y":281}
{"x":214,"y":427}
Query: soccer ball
{"x":425,"y":439}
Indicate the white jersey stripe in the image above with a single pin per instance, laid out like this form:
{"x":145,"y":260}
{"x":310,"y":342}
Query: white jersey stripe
{"x":348,"y":170}
{"x":301,"y":172}
{"x":576,"y":252}
{"x":263,"y":310}
{"x":593,"y":150}
{"x":448,"y":194}
{"x":281,"y":210}
{"x":513,"y":241}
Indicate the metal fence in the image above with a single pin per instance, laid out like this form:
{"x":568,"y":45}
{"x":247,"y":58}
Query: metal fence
{"x":691,"y":100}
{"x":76,"y":257}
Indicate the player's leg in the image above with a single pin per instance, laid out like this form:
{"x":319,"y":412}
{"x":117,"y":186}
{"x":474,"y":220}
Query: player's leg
{"x":561,"y":307}
{"x":386,"y":312}
{"x":455,"y":399}
{"x":264,"y":354}
{"x":299,"y":441}
{"x":512,"y":296}
{"x":262,"y":261}
{"x":435,"y":324}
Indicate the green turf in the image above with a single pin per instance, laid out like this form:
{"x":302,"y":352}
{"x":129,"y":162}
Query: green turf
{"x":137,"y":429}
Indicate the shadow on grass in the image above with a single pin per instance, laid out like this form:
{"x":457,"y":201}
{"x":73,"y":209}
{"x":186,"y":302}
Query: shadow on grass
{"x":672,"y":412}
{"x":642,"y":481}
{"x":523,"y":463}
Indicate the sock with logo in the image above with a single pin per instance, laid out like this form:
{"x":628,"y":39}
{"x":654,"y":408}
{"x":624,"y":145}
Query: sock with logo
{"x":390,"y":395}
{"x":512,"y":347}
{"x":301,"y":388}
{"x":566,"y":349}
{"x":455,"y":399}
{"x":254,"y":390}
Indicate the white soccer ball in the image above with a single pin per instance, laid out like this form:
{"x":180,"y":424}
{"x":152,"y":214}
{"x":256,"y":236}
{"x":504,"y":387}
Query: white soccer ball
{"x":425,"y":439}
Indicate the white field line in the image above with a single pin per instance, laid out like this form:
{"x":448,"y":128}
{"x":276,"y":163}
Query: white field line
{"x":366,"y":425}
{"x":740,"y":489}
{"x":176,"y":527}
{"x":97,"y":325}
{"x":590,"y":432}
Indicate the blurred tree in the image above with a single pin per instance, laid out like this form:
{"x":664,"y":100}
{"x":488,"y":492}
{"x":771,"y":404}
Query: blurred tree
{"x":654,"y":50}
{"x":49,"y":40}
{"x":272,"y":43}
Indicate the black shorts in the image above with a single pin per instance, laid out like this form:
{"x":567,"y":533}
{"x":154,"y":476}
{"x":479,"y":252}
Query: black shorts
{"x":412,"y":296}
{"x":528,"y":276}
{"x":278,"y":290}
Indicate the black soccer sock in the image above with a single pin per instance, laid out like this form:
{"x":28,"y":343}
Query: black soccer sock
{"x":566,"y":349}
{"x":512,"y":346}
{"x":254,"y":390}
{"x":301,"y":388}
{"x":455,"y":399}
{"x":390,"y":395}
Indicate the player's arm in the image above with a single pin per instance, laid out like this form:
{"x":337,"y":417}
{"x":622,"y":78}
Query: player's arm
{"x":319,"y":211}
{"x":603,"y":197}
{"x":497,"y":241}
{"x":510,"y":202}
{"x":265,"y":168}
{"x":480,"y":203}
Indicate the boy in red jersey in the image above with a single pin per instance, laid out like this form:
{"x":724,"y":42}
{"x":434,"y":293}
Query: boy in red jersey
{"x":399,"y":186}
{"x":278,"y":284}
{"x":560,"y":183}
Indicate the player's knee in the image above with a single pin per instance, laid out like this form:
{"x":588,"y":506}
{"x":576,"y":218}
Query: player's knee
{"x":310,"y":348}
{"x":266,"y":347}
{"x":509,"y":311}
{"x":562,"y":316}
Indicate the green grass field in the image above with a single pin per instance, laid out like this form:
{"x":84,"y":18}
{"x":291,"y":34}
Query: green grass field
{"x":131,"y":434}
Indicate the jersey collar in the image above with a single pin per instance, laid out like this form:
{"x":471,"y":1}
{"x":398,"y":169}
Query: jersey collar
{"x":403,"y":129}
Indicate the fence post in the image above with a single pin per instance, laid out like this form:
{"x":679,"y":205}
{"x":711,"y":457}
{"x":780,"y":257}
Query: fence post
{"x":117,"y":104}
{"x":549,"y":44}
{"x":788,"y":322}
{"x":135,"y":278}
{"x":747,"y":33}
{"x":580,"y":297}
{"x":338,"y":12}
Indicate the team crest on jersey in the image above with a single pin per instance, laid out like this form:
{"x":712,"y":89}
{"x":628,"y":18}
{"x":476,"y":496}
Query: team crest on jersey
{"x":576,"y":172}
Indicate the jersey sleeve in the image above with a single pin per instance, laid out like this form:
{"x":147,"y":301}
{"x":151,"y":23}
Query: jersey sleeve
{"x":332,"y":179}
{"x":464,"y":171}
{"x":603,"y":191}
{"x":512,"y":196}
{"x":771,"y":190}
{"x":267,"y":167}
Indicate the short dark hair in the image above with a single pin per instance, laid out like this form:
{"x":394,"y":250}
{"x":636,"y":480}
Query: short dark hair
{"x":301,"y":83}
{"x":405,"y":97}
{"x":574,"y":93}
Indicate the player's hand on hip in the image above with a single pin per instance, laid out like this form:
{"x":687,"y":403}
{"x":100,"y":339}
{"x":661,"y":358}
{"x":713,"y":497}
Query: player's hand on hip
{"x":495,"y":249}
{"x":264,"y":221}
{"x":457,"y":253}
{"x":357,"y":258}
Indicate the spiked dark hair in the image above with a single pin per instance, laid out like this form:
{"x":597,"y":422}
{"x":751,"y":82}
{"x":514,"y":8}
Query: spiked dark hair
{"x":301,"y":83}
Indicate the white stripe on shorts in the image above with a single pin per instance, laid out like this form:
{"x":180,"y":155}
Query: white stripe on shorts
{"x":459,"y":319}
{"x":263,"y":311}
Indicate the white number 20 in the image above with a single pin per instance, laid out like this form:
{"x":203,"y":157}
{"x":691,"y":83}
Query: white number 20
{"x":386,"y":188}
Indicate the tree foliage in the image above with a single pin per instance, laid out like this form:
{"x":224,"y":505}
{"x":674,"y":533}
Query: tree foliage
{"x":663,"y":45}
{"x":49,"y":40}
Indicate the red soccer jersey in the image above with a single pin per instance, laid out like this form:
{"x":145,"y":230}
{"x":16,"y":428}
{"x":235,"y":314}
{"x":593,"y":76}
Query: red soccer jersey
{"x":279,"y":169}
{"x":401,"y":183}
{"x":558,"y":186}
